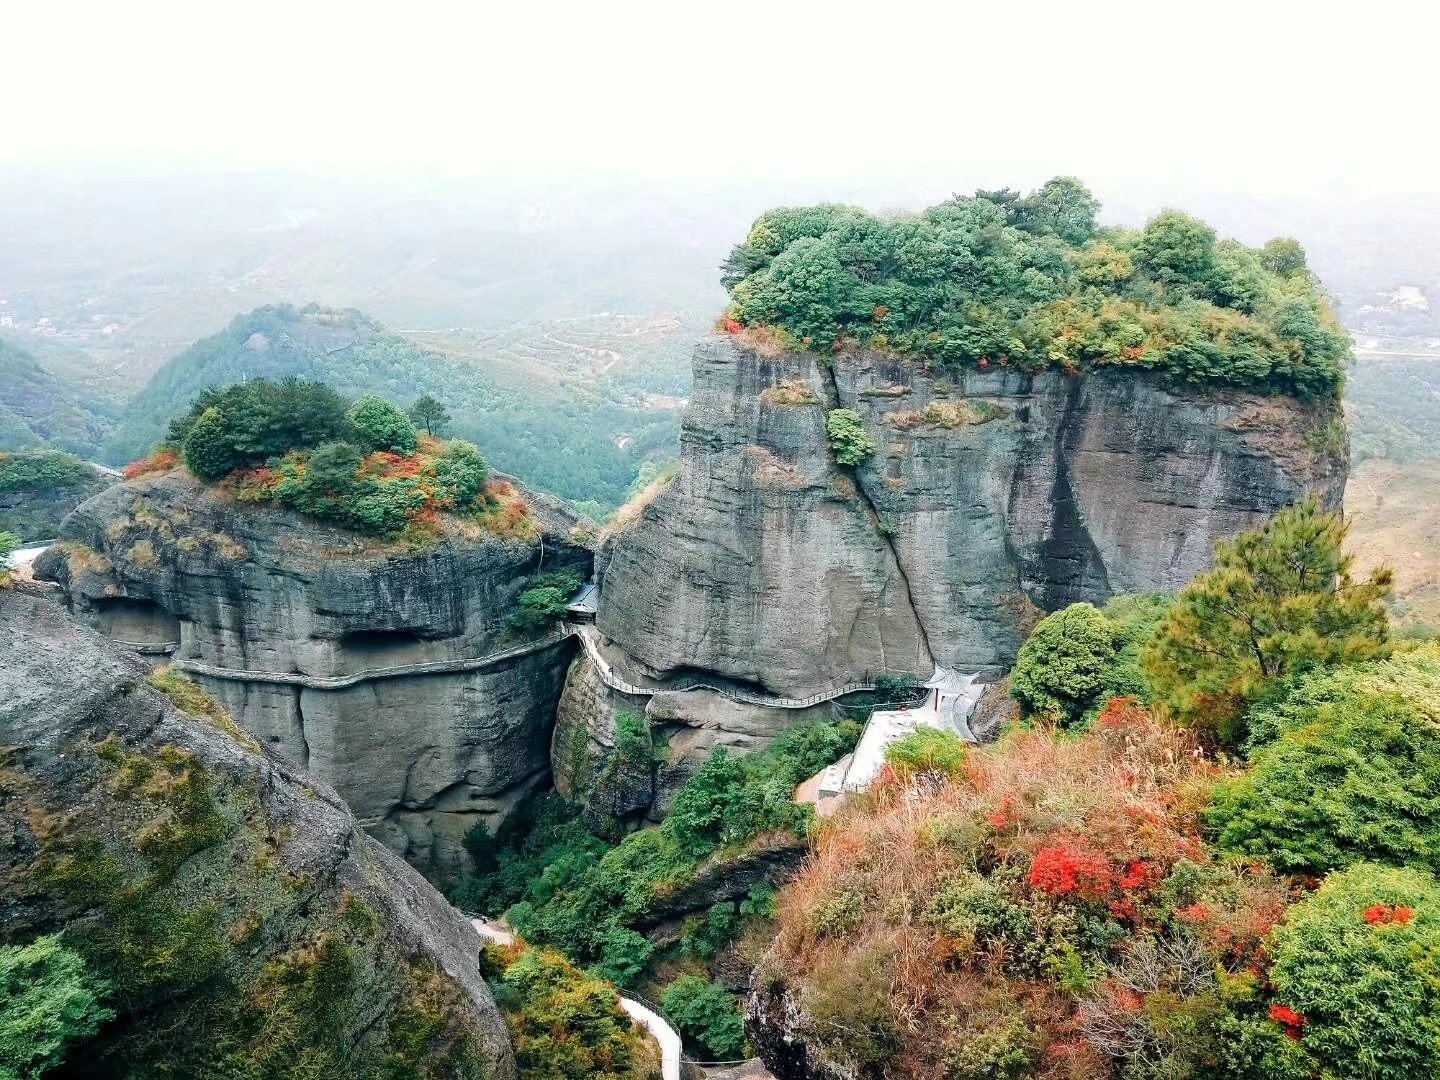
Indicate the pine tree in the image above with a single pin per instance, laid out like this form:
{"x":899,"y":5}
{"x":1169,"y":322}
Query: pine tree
{"x":431,"y":415}
{"x":1280,"y":600}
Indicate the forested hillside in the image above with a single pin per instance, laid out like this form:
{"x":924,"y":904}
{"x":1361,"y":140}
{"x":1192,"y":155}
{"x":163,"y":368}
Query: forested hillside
{"x":577,"y":442}
{"x":39,"y":409}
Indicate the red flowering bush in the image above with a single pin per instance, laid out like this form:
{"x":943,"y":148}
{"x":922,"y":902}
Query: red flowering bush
{"x":1072,"y":867}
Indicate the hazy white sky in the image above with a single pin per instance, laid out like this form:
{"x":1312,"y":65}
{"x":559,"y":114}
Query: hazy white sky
{"x":1276,"y":96}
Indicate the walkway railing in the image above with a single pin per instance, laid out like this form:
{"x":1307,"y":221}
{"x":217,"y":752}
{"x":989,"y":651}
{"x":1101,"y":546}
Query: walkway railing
{"x":340,"y":682}
{"x":586,"y":634}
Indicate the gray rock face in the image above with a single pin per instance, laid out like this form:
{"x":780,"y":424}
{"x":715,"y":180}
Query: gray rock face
{"x":990,"y":499}
{"x":683,"y":729}
{"x":299,"y":616}
{"x":189,"y":866}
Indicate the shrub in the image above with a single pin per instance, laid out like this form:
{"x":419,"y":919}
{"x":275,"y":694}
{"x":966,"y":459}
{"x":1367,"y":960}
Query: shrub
{"x":580,"y":898}
{"x":42,"y":470}
{"x":8,"y":543}
{"x":850,"y":443}
{"x":48,"y":1001}
{"x":706,"y":1014}
{"x":544,"y":600}
{"x":332,"y":470}
{"x":1355,"y":974}
{"x":1348,"y":771}
{"x":461,"y":471}
{"x":927,"y":752}
{"x":379,"y":425}
{"x":1004,"y":279}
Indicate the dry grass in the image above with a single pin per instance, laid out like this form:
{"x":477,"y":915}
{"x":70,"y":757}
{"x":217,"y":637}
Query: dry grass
{"x":629,"y":515}
{"x":197,"y":704}
{"x":770,"y":471}
{"x":142,"y":553}
{"x":792,"y":392}
{"x":80,"y":558}
{"x":769,"y":342}
{"x":963,"y":412}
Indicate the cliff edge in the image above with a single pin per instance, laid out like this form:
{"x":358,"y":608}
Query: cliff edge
{"x":992,"y":496}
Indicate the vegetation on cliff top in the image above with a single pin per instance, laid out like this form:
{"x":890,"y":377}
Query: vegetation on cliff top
{"x":575,"y":440}
{"x":1035,"y":282}
{"x":361,"y":464}
{"x":1099,"y":895}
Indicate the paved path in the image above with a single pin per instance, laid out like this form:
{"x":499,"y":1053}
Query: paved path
{"x":587,"y":635}
{"x":660,"y":1030}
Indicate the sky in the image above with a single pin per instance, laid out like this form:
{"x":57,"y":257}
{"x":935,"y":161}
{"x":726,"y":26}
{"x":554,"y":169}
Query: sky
{"x":1329,"y":97}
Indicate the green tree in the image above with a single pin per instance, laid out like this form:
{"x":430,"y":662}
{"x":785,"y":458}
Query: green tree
{"x":48,"y":1000}
{"x":1359,"y":961}
{"x":1060,"y":670}
{"x":1283,"y":256}
{"x":850,"y":443}
{"x":1347,"y":769}
{"x":209,"y":445}
{"x":1063,"y":207}
{"x":462,"y":470}
{"x":331,"y":469}
{"x":706,"y":1013}
{"x":379,"y":425}
{"x":430,"y":415}
{"x":1280,"y":601}
{"x":1175,"y":247}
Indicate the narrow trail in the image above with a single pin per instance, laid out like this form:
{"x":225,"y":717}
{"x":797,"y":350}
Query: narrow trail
{"x":660,"y":1030}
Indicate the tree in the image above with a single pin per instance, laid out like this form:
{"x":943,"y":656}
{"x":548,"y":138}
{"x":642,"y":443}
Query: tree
{"x":1283,"y":256}
{"x":1062,"y":207}
{"x":1176,"y":247}
{"x":1280,"y":601}
{"x":849,"y":441}
{"x":48,"y":1000}
{"x":209,"y":445}
{"x":1060,"y":670}
{"x":1354,"y":974}
{"x":705,"y":1013}
{"x":431,"y":415}
{"x":1347,"y":769}
{"x":379,"y":425}
{"x":331,"y":469}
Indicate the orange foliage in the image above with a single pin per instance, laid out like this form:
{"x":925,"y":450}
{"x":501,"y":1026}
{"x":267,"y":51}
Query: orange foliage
{"x":162,"y":460}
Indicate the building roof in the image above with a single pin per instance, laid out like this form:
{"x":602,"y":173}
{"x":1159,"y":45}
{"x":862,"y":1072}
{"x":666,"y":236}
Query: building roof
{"x":586,"y":600}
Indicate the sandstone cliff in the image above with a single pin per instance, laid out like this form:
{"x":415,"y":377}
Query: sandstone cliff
{"x":222,"y":894}
{"x":375,"y":668}
{"x":992,"y":496}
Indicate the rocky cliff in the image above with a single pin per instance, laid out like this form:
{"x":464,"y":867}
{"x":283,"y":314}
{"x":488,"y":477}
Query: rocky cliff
{"x":992,"y":496}
{"x":219,"y":892}
{"x":389,"y":673}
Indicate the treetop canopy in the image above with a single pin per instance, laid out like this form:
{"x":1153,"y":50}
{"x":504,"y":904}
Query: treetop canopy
{"x":1034,"y":281}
